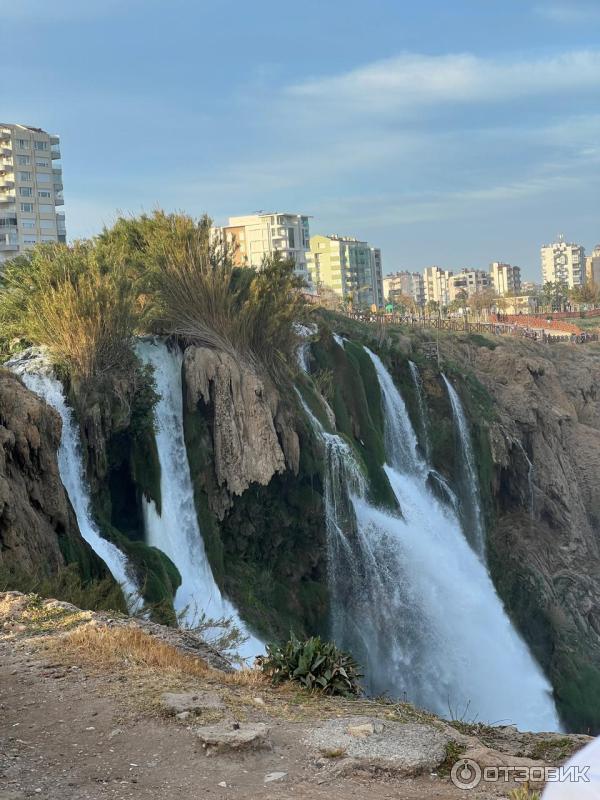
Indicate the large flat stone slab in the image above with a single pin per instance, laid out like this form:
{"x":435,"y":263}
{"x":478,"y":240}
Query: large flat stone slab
{"x":405,"y":748}
{"x":234,"y":737}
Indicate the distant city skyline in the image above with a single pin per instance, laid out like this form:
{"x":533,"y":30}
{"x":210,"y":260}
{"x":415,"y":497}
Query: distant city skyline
{"x":449,"y":134}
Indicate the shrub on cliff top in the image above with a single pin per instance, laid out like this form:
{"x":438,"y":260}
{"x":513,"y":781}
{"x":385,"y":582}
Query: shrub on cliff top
{"x":314,"y":664}
{"x":69,"y":300}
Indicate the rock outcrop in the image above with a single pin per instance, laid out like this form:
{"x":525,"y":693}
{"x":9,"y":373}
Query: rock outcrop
{"x":35,"y":513}
{"x":252,"y":435}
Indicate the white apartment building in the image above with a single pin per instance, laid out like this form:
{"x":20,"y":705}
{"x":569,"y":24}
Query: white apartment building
{"x":506,"y":279}
{"x":592,"y":267}
{"x":406,"y":283}
{"x":436,"y":285}
{"x":258,"y":235}
{"x":30,"y":189}
{"x":563,"y":262}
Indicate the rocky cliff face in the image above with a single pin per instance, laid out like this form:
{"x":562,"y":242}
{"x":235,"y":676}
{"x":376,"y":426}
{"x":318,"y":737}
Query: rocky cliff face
{"x":253,"y":436}
{"x":544,"y":533}
{"x":38,"y":529}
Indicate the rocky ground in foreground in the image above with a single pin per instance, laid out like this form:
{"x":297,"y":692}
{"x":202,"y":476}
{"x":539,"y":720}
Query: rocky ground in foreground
{"x":95,"y":707}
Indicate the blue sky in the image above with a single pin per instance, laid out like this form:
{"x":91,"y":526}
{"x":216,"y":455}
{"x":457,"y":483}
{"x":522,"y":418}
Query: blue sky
{"x":451,"y":133}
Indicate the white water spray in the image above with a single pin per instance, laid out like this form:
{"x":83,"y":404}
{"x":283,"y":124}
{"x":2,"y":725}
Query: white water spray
{"x":469,"y":654}
{"x":411,"y":599}
{"x":175,"y":531}
{"x":423,"y":417}
{"x":473,"y":518}
{"x":38,"y":377}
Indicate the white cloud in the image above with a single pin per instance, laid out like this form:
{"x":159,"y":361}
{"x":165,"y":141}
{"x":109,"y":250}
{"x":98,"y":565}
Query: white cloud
{"x":414,"y":81}
{"x":571,"y":13}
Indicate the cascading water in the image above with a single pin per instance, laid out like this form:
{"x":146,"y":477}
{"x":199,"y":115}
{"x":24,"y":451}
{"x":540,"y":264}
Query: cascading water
{"x":472,"y":655}
{"x":471,"y":506}
{"x":38,"y":377}
{"x":423,"y":417}
{"x":412,"y":600}
{"x":175,"y":531}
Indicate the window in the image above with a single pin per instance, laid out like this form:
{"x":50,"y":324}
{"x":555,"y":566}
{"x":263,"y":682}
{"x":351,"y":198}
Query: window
{"x":27,"y":207}
{"x":27,"y":223}
{"x":291,"y":237}
{"x":40,"y":162}
{"x":46,"y":209}
{"x":24,"y":176}
{"x":43,"y":177}
{"x":41,"y":145}
{"x":23,"y":144}
{"x":23,"y":161}
{"x":45,"y":193}
{"x":25,"y":191}
{"x":47,"y":224}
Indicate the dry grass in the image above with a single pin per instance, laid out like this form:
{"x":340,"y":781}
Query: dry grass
{"x":129,"y":647}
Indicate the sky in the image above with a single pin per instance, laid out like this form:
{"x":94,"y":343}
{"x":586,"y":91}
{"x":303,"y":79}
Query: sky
{"x":450,"y":133}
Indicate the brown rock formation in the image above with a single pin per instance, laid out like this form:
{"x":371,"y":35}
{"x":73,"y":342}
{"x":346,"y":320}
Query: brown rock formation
{"x":253,"y":437}
{"x":35,"y":512}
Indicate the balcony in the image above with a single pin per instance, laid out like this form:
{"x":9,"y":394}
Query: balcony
{"x":5,"y":136}
{"x":6,"y":151}
{"x":55,"y":152}
{"x":54,"y":140}
{"x":7,"y":182}
{"x":6,"y":197}
{"x":8,"y":242}
{"x":6,"y":166}
{"x":59,"y":200}
{"x":57,"y":172}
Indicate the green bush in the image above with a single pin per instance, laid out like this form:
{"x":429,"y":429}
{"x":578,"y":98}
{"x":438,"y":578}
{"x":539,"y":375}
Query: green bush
{"x":314,"y":664}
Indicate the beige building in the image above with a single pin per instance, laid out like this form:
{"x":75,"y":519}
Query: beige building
{"x":592,"y":267}
{"x":258,"y":235}
{"x":348,"y":267}
{"x":506,"y":279}
{"x":563,"y":262}
{"x":469,"y":281}
{"x":30,"y":189}
{"x":436,"y":285}
{"x":406,"y":283}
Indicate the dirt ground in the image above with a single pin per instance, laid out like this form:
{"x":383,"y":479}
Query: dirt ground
{"x":66,"y":734}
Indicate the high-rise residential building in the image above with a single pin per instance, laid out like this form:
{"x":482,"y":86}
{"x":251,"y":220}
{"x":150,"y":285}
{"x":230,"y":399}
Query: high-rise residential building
{"x":406,"y":283}
{"x":592,"y":267}
{"x":31,"y":189}
{"x":436,"y":285}
{"x":348,"y":267}
{"x":563,"y":262}
{"x":469,"y":281}
{"x":258,"y":235}
{"x":506,"y":279}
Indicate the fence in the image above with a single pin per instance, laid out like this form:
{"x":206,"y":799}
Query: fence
{"x":495,"y":328}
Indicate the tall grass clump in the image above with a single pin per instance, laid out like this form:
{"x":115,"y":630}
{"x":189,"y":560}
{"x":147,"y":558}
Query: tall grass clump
{"x":70,"y":301}
{"x":207,"y":300}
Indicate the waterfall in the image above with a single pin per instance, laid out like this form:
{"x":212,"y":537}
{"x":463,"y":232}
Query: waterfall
{"x":423,"y":416}
{"x":412,"y":600}
{"x":176,"y":531}
{"x":38,"y":377}
{"x":473,"y":518}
